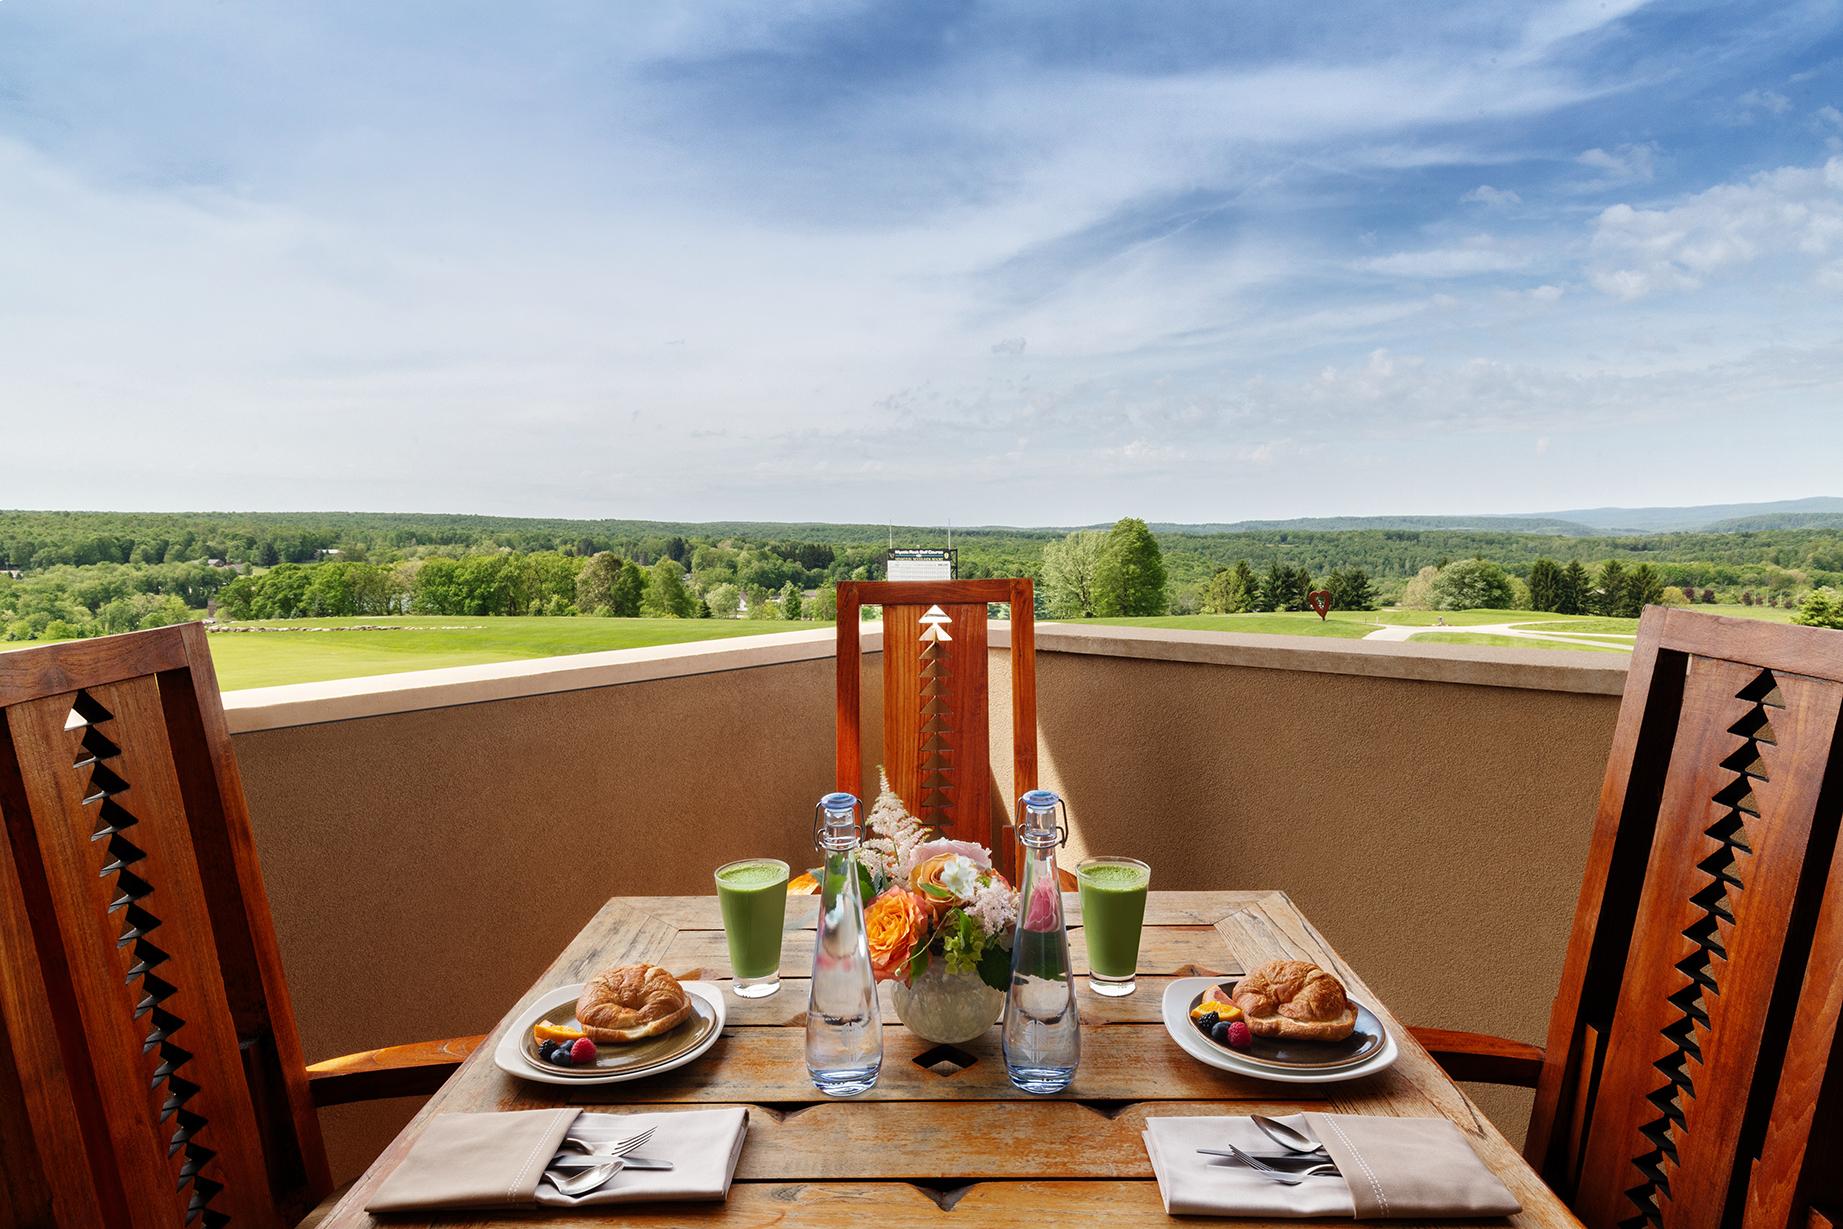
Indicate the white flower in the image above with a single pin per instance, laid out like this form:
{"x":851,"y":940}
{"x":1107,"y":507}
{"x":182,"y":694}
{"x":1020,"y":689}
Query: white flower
{"x":960,"y":877}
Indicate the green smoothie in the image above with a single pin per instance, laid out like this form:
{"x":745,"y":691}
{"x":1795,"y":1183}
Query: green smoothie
{"x":1112,"y":912}
{"x":753,"y":897}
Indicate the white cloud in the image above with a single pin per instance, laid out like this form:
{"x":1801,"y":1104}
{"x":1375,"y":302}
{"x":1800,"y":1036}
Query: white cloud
{"x":1623,"y":163}
{"x":1485,"y":194}
{"x":1467,"y":260}
{"x":1793,"y":212}
{"x":1830,"y":115}
{"x":1770,"y":101}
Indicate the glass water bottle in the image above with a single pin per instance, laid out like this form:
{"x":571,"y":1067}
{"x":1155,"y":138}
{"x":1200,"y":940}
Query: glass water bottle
{"x":844,"y":1036}
{"x":1042,"y":1029}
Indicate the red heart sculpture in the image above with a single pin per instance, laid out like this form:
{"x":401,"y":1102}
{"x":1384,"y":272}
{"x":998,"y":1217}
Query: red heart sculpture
{"x":1320,"y":600}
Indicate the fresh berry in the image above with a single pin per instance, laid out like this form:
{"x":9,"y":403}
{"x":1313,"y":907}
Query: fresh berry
{"x":1241,"y":1037}
{"x":1219,"y":1032}
{"x":583,"y":1051}
{"x":1207,"y":1020}
{"x":544,"y":1049}
{"x":560,"y":1056}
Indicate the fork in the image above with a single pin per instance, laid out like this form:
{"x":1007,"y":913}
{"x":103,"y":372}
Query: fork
{"x":1285,"y":1177}
{"x":620,"y":1147}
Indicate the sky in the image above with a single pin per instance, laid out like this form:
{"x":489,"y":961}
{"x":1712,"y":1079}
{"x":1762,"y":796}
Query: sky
{"x":1033,"y":263}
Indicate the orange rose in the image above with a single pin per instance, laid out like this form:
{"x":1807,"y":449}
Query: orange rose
{"x":947,"y":872}
{"x":894,"y":924}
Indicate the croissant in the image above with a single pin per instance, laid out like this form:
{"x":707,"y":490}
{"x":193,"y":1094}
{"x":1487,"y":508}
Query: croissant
{"x":1295,"y":999}
{"x":630,"y":1003}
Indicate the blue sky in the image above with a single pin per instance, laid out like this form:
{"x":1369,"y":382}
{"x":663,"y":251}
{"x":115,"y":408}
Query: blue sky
{"x":1030,"y":263}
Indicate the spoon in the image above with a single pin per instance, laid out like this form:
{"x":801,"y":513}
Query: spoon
{"x":585,"y":1181}
{"x":1287,"y":1137}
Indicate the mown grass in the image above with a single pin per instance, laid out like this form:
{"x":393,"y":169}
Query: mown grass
{"x":1285,"y":624}
{"x":1512,"y":642}
{"x":267,"y":659}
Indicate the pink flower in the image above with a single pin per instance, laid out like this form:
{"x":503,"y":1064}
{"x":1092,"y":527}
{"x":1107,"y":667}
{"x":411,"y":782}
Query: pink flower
{"x":967,"y":849}
{"x":1044,"y":902}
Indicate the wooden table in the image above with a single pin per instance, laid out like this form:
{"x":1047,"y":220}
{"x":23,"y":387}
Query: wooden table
{"x":945,"y":1143}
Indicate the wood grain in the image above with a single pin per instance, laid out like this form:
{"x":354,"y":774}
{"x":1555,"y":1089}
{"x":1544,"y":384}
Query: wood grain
{"x":924,"y":1147}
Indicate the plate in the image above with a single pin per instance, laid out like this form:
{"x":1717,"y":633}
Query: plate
{"x":1365,"y":1041}
{"x":511,"y":1054}
{"x":1183,"y":991}
{"x":612,"y":1058}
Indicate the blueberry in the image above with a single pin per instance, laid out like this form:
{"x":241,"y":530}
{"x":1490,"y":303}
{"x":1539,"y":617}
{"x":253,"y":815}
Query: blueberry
{"x":1219,"y":1032}
{"x":560,"y":1056}
{"x":1207,"y":1020}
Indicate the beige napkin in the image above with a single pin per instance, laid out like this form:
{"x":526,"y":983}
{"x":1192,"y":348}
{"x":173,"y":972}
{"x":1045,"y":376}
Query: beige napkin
{"x":497,"y":1160}
{"x":1391,"y":1168}
{"x":703,"y":1146}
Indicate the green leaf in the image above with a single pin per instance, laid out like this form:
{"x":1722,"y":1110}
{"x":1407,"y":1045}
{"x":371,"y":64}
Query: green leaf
{"x":867,"y":887}
{"x":918,"y":963}
{"x":936,"y":891}
{"x":995,"y":967}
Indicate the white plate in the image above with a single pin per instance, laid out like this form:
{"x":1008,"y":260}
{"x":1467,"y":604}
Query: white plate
{"x":509,"y":1055}
{"x":1176,"y":1008}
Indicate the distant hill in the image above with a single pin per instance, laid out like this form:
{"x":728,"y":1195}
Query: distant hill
{"x":1779,"y":520}
{"x":1708,"y":516}
{"x":1338,"y":524}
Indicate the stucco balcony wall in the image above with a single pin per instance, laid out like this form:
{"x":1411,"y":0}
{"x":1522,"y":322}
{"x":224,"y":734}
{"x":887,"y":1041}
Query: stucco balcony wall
{"x":431,"y":840}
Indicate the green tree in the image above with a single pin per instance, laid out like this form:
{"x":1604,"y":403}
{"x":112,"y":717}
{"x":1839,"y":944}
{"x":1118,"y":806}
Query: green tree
{"x":1471,"y":584}
{"x":1069,"y":568}
{"x":1270,"y":594}
{"x":1821,"y":608}
{"x":1545,"y":585}
{"x":1611,"y":591}
{"x":1231,"y":590}
{"x":1129,"y":578}
{"x":1351,"y":589}
{"x":721,"y":601}
{"x":1574,"y":596}
{"x":1417,"y":594}
{"x":825,"y":604}
{"x":790,"y":601}
{"x":595,"y":583}
{"x":627,"y":591}
{"x":1643,"y":587}
{"x":666,"y":596}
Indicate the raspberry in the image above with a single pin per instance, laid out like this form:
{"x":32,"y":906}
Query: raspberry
{"x":1240,"y":1037}
{"x":583,"y":1051}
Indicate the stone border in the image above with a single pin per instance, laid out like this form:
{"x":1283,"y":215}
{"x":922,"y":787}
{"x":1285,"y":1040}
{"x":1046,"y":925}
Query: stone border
{"x":270,"y":708}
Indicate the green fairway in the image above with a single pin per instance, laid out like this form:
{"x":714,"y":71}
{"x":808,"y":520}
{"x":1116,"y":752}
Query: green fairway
{"x":1451,"y":618}
{"x":1512,"y":642}
{"x":1592,"y":627}
{"x":266,"y":659}
{"x":1304,"y":623}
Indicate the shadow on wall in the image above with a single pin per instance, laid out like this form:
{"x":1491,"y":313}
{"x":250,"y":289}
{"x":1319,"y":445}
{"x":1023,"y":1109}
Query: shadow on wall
{"x":1435,"y":832}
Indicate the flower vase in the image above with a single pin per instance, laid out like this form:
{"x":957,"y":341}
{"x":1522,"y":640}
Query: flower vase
{"x":946,"y":1008}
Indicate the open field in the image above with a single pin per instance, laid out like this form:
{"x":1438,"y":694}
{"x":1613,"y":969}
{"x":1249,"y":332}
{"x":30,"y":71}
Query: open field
{"x":1351,"y":626}
{"x":1585,"y":645}
{"x":266,"y":659}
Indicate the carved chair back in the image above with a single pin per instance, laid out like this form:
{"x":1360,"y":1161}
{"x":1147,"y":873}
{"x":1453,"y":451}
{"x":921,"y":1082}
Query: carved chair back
{"x":936,"y":747}
{"x":1693,"y":1072}
{"x":150,"y":1072}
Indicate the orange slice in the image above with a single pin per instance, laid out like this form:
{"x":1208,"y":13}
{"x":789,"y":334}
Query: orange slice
{"x":554,"y":1032}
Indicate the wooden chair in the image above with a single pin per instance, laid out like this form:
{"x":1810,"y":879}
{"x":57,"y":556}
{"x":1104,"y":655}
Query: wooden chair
{"x":150,"y":1071}
{"x":935,"y":733}
{"x":1693,"y":1075}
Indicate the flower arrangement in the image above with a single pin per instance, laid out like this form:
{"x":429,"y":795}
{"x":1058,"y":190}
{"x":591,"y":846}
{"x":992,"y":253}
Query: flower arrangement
{"x":932,"y":899}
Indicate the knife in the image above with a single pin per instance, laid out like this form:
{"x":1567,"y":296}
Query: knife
{"x":573,"y":1160}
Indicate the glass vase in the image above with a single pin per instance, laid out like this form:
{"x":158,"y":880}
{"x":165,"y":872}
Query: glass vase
{"x":946,"y":1008}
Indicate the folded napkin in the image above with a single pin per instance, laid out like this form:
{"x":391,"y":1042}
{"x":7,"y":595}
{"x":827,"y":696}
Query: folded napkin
{"x":1391,"y":1168}
{"x":497,"y":1160}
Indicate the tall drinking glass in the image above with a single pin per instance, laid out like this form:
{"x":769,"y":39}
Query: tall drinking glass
{"x":753,"y":896}
{"x":1112,"y":914}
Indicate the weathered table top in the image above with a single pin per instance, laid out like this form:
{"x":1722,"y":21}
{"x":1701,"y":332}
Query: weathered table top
{"x":947,"y":1144}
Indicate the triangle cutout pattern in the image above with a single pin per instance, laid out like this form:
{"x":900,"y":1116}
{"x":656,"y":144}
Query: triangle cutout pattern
{"x":1716,"y":903}
{"x":93,"y":755}
{"x":934,"y":757}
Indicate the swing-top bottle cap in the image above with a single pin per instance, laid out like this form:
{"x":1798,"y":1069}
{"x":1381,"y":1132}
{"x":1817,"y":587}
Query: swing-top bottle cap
{"x":835,"y":824}
{"x":1041,"y":800}
{"x":1039,"y":828}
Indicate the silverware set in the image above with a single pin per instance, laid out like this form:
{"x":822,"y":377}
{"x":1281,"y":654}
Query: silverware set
{"x":581,"y":1165}
{"x":1304,"y":1157}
